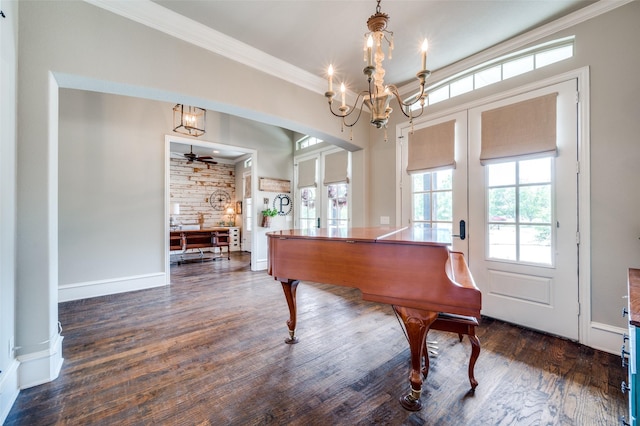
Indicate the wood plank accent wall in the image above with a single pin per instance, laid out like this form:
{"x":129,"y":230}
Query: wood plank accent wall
{"x":191,"y":185}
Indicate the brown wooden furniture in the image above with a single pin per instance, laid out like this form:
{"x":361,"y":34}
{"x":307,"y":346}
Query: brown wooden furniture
{"x":461,"y":325}
{"x":629,"y":346}
{"x":409,"y":268}
{"x":199,"y":239}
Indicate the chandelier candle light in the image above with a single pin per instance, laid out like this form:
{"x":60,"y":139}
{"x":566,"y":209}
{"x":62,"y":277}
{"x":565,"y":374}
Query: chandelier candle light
{"x":378,"y":96}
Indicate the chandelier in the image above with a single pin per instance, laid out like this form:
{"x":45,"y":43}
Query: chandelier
{"x":378,"y":96}
{"x":189,"y":120}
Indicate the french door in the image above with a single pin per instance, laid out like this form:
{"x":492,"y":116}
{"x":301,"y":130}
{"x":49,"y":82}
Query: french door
{"x":520,"y":217}
{"x":523,"y":247}
{"x":322,"y":190}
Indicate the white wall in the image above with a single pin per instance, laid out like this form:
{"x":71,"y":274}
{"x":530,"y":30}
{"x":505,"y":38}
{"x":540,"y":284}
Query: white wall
{"x":117,"y":56}
{"x":111,"y":186}
{"x":8,"y":96}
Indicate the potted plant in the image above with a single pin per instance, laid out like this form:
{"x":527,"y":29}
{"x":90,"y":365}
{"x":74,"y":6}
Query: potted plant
{"x":267,"y":214}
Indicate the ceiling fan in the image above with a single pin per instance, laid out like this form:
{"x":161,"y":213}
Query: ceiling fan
{"x":202,"y":158}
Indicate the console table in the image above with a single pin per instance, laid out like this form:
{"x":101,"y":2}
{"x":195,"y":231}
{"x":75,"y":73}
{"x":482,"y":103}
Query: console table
{"x":216,"y":238}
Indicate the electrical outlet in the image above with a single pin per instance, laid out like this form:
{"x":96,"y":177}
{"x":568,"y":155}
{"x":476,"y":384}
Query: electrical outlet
{"x":384,"y":220}
{"x":265,"y":201}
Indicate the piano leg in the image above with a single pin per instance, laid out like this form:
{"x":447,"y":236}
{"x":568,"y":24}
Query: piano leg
{"x":289,"y":288}
{"x":475,"y":352}
{"x":416,"y":323}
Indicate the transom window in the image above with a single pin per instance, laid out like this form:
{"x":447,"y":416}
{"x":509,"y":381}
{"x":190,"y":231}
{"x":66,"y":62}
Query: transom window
{"x":520,"y":211}
{"x":501,"y":68}
{"x":307,"y":141}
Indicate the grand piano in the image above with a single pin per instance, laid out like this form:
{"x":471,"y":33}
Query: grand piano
{"x":410,"y":268}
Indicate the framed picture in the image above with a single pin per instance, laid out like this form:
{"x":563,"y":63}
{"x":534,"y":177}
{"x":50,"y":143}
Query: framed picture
{"x":274,"y":185}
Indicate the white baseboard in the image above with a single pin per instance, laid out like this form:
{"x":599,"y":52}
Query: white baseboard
{"x":606,"y":338}
{"x":89,"y":289}
{"x":41,"y":367}
{"x":261,"y":265}
{"x":9,"y":389}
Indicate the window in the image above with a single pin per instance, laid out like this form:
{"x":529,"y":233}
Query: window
{"x":499,"y":69}
{"x":520,"y":211}
{"x":432,"y":199}
{"x":487,"y":76}
{"x":307,"y":141}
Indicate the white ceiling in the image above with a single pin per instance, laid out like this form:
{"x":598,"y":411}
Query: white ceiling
{"x":219,"y":154}
{"x":311,"y":34}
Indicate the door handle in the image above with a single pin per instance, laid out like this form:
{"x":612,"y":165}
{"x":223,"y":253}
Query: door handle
{"x":463,"y":231}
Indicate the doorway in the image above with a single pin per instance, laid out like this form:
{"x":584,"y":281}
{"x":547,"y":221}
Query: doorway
{"x":526,"y":262}
{"x":234,"y":155}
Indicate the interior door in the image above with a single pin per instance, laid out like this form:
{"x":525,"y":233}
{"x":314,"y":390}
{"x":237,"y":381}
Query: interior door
{"x":525,"y":261}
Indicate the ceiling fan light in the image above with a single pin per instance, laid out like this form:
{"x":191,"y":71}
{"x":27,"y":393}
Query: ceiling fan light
{"x":189,"y":120}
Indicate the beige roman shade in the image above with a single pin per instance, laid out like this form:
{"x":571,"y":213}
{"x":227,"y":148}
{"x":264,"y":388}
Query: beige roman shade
{"x":336,"y":168}
{"x":307,"y":173}
{"x":247,"y":186}
{"x":432,"y":147}
{"x":523,"y":128}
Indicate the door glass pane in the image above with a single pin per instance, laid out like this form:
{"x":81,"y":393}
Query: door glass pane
{"x":422,"y":207}
{"x":442,"y":206}
{"x":535,"y":171}
{"x":432,"y":199}
{"x":337,"y":210}
{"x":535,"y":204}
{"x":307,"y":208}
{"x":502,"y":174}
{"x":502,"y":242}
{"x":421,"y":182}
{"x":502,"y":205}
{"x":443,"y":179}
{"x":535,"y":244}
{"x":520,"y":211}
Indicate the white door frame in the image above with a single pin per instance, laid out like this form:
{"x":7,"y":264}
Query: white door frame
{"x":599,"y":336}
{"x":168,"y":139}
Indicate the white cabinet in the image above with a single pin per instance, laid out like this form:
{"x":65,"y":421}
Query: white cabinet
{"x":234,"y":239}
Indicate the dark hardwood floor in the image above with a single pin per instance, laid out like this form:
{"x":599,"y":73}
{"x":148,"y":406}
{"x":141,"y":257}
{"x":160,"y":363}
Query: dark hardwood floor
{"x":209,"y":350}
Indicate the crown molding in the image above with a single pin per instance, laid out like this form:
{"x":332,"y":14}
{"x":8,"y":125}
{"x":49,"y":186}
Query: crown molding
{"x":577,"y":17}
{"x":162,"y":19}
